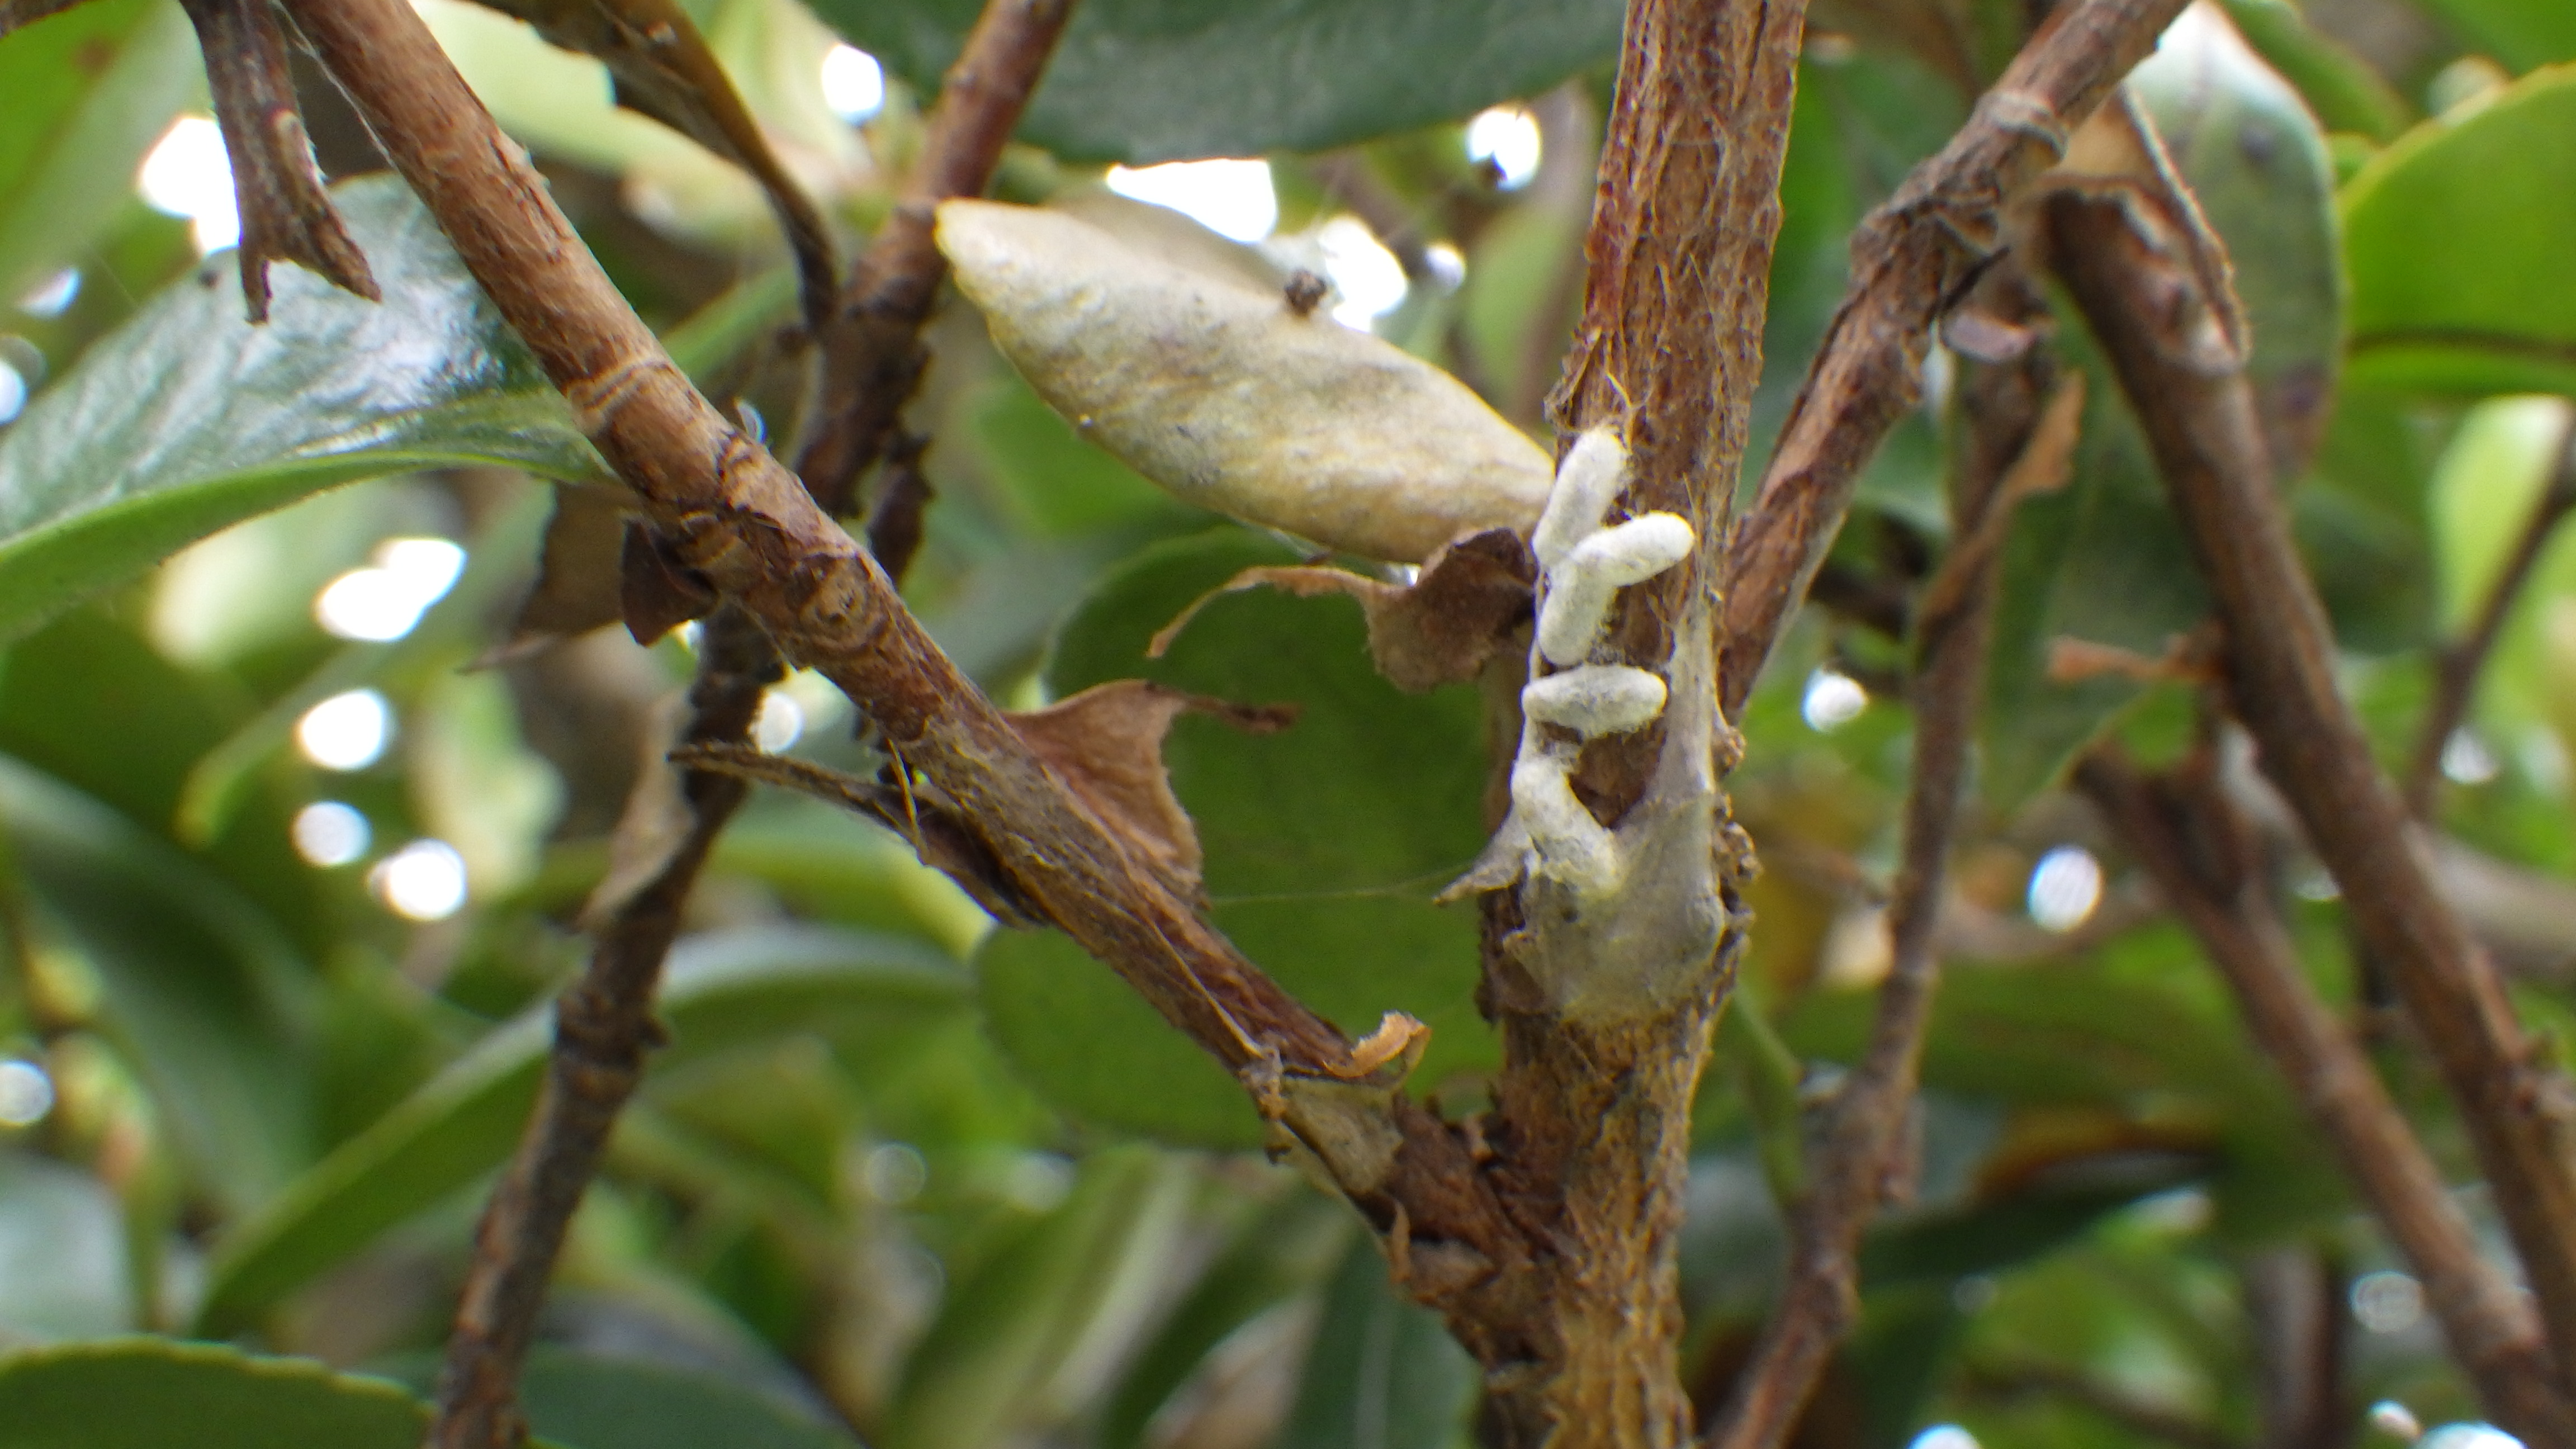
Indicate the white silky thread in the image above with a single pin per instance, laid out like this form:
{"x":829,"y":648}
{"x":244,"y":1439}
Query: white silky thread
{"x":1594,"y":471}
{"x":1596,"y":699}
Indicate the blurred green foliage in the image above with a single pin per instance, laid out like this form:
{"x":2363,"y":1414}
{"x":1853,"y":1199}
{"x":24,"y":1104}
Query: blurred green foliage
{"x":902,"y":1179}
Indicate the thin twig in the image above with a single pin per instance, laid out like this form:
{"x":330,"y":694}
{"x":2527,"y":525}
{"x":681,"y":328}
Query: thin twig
{"x":604,"y":1028}
{"x":1911,"y":260}
{"x":871,"y":356}
{"x":2456,"y":667}
{"x":1858,"y":1165}
{"x":604,"y":1024}
{"x":2206,"y":860}
{"x":2137,"y":263}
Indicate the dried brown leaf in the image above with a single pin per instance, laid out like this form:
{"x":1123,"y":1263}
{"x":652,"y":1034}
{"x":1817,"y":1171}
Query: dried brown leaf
{"x":577,"y":587}
{"x":1438,"y":630}
{"x":1106,"y":746}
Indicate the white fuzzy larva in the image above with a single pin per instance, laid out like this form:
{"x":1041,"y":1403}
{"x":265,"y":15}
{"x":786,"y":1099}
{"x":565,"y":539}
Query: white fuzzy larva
{"x":1594,"y":471}
{"x":1569,"y":619}
{"x":1596,"y":699}
{"x":1569,"y":845}
{"x":1632,"y":552}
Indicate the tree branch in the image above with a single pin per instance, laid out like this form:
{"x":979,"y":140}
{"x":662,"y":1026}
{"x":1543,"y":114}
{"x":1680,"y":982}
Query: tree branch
{"x":604,"y":1023}
{"x":1911,"y":260}
{"x":2009,"y":434}
{"x":2456,"y":666}
{"x":2206,"y":860}
{"x":872,"y":359}
{"x":746,"y":526}
{"x":2135,"y":260}
{"x":604,"y":1028}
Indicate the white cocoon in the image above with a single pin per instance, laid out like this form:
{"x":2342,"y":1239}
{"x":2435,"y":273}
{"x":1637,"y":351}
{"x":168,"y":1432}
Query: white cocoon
{"x":1633,"y":552}
{"x":1594,"y":471}
{"x":1219,"y":392}
{"x":1597,"y":699}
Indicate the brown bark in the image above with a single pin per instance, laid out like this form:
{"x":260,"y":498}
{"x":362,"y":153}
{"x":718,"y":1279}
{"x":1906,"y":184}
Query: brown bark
{"x":2008,"y":433}
{"x":2135,"y":262}
{"x":1591,"y":1114}
{"x":604,"y":1023}
{"x":1911,"y":260}
{"x":2206,"y":861}
{"x":871,"y":354}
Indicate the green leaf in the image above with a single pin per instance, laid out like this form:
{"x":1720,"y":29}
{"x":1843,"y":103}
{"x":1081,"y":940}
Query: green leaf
{"x":188,"y":418}
{"x":86,"y":94}
{"x":592,"y":1401}
{"x":1284,"y":1249}
{"x":2521,"y":33}
{"x":199,"y":987}
{"x":1325,"y":843}
{"x":2340,"y":86}
{"x":1382,"y":1373}
{"x":1025,"y":1339}
{"x":150,"y":1393}
{"x":721,"y":990}
{"x":1156,"y":80}
{"x":2100,"y":562}
{"x":2257,"y":164}
{"x":62,"y":1253}
{"x":2456,"y":241}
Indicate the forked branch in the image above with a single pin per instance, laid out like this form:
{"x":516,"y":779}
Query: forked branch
{"x":1911,"y":260}
{"x":604,"y":1023}
{"x":2206,"y":862}
{"x":2135,"y":257}
{"x":2020,"y":441}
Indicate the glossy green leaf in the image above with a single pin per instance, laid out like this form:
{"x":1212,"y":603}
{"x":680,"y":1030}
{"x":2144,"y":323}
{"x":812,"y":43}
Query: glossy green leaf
{"x":1325,"y":843}
{"x":86,"y":94}
{"x":2520,"y":33}
{"x":721,"y":990}
{"x":199,"y":987}
{"x":189,"y":418}
{"x":2456,"y":241}
{"x":62,"y":1254}
{"x":1026,"y":1339}
{"x":1284,"y":1249}
{"x":1382,"y":1373}
{"x":1157,"y":80}
{"x":146,"y":1393}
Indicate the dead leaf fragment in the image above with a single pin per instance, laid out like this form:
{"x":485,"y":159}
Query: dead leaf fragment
{"x":1438,"y":630}
{"x":577,"y":574}
{"x":1105,"y":745}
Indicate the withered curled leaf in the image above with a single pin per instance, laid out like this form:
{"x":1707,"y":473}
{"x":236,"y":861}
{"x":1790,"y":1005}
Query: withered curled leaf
{"x":1440,"y":629}
{"x":1222,"y":394}
{"x":1106,"y":745}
